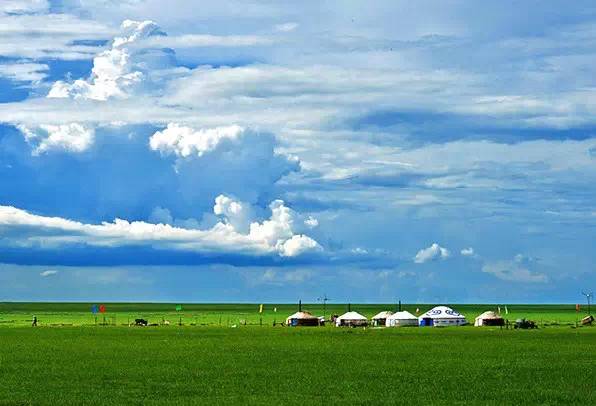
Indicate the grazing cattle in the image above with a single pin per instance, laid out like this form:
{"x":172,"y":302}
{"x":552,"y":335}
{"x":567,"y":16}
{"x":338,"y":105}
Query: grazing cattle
{"x":141,"y":322}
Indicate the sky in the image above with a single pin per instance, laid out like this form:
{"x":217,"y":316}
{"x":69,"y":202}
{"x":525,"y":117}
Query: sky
{"x":270,"y":151}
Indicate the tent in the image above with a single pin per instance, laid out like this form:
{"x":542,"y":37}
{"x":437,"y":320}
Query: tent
{"x":351,"y":319}
{"x":441,"y":316}
{"x":400,"y":319}
{"x":302,"y":319}
{"x":380,"y":318}
{"x":489,"y":319}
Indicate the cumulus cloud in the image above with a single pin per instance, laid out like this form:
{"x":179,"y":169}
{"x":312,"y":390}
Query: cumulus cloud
{"x":245,"y":159}
{"x":514,"y":271}
{"x":236,"y":213}
{"x":432,"y":253}
{"x":118,"y":70}
{"x":185,"y":141}
{"x":467,"y":252}
{"x":279,"y":231}
{"x":297,"y":245}
{"x":24,"y":71}
{"x":311,"y":222}
{"x":274,"y":236}
{"x":71,"y":137}
{"x":45,"y":274}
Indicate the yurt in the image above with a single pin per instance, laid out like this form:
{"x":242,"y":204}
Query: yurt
{"x":401,"y":319}
{"x":351,"y":319}
{"x":489,"y":319}
{"x":380,"y":318}
{"x":302,"y":319}
{"x":442,"y":316}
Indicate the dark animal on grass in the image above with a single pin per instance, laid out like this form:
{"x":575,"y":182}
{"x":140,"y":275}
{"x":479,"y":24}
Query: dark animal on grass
{"x":141,"y":322}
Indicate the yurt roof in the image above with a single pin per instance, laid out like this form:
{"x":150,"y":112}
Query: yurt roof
{"x":405,"y":315}
{"x":352,"y":316}
{"x":383,"y":315}
{"x":489,"y":315}
{"x":301,"y":315}
{"x":442,"y":312}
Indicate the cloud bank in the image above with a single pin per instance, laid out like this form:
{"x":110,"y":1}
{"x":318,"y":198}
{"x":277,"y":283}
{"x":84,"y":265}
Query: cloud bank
{"x":273,"y":236}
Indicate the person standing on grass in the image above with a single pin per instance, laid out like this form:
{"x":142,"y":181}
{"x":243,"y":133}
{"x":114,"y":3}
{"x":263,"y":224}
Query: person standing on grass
{"x":34,"y":324}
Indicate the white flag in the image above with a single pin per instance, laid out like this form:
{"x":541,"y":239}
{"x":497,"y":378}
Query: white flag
{"x":506,"y":311}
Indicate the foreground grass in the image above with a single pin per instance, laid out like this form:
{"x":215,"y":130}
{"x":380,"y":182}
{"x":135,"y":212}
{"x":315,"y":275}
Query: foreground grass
{"x":265,"y":365}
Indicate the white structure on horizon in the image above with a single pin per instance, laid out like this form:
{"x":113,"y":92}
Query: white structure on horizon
{"x":380,"y":318}
{"x":351,"y":319}
{"x":442,"y":316}
{"x":489,"y":318}
{"x":401,"y":319}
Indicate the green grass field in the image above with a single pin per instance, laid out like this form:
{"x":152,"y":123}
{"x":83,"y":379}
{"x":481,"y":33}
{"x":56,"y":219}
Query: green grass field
{"x":252,"y":364}
{"x":20,"y":314}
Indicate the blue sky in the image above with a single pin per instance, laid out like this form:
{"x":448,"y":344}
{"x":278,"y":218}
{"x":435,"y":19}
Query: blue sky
{"x":269,"y":152}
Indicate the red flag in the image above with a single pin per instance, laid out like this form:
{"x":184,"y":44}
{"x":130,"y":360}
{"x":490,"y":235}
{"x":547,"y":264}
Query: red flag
{"x":577,"y":307}
{"x":102,"y":309}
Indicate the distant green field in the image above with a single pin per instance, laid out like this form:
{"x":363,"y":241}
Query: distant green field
{"x":20,"y":314}
{"x":252,"y":364}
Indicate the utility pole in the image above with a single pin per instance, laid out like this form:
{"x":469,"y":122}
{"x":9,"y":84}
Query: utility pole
{"x":589,"y":296}
{"x":324,"y":299}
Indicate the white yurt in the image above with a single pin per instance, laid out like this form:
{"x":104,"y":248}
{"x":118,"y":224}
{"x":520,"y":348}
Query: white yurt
{"x":441,"y":316}
{"x":401,"y":319}
{"x":380,"y":318}
{"x":351,"y":319}
{"x":302,"y":319}
{"x":489,"y":319}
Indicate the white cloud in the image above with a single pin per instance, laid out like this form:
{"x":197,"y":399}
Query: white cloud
{"x":45,"y":274}
{"x":203,"y":40}
{"x":53,"y":36}
{"x":280,"y":277}
{"x":236,"y":213}
{"x":23,"y":6}
{"x":432,"y":253}
{"x":245,"y":159}
{"x":185,"y":141}
{"x":311,"y":222}
{"x":467,"y":252}
{"x":514,"y":271}
{"x":71,"y":137}
{"x":297,"y":245}
{"x":278,"y":230}
{"x":24,"y":71}
{"x":359,"y":251}
{"x":286,"y":27}
{"x":117,"y":70}
{"x":274,"y":236}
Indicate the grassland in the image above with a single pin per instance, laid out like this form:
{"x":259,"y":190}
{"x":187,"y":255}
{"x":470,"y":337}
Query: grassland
{"x":20,"y":314}
{"x":212,"y":364}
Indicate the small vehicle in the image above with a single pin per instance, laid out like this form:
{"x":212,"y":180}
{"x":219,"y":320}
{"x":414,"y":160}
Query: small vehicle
{"x":524,"y":324}
{"x":588,"y":320}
